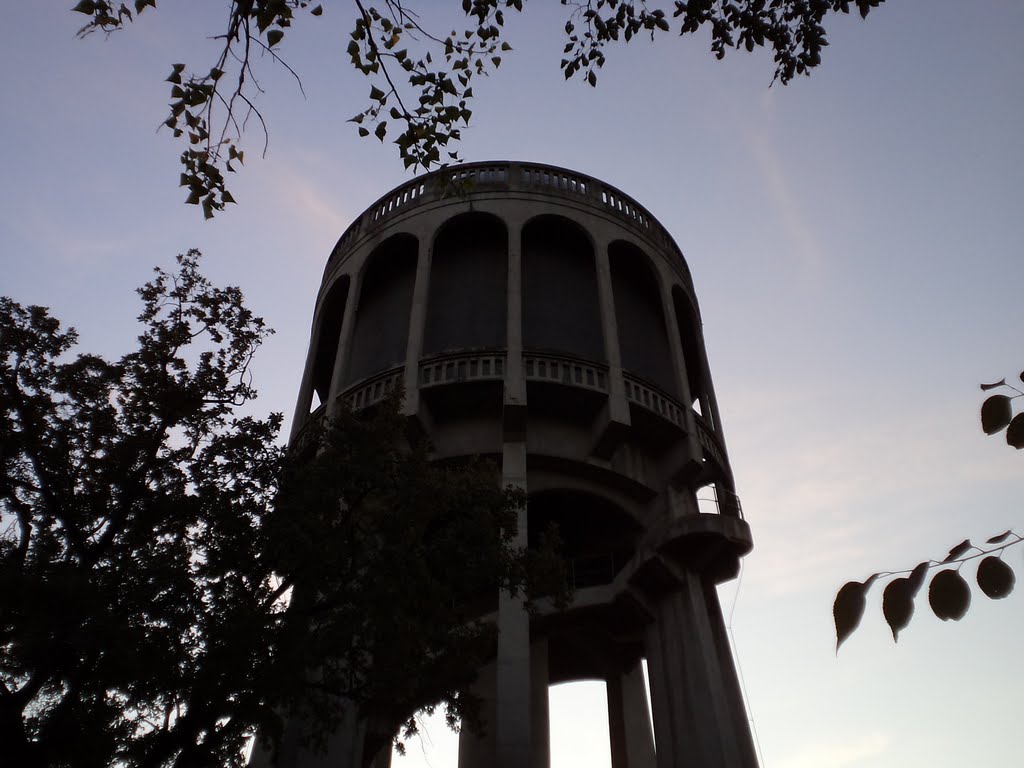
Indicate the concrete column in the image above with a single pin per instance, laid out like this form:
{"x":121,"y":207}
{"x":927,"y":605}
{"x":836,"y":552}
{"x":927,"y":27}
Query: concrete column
{"x":383,"y":758}
{"x":515,"y":383}
{"x":540,"y":736}
{"x":417,"y":322}
{"x":694,"y":722}
{"x":305,"y":401}
{"x":629,"y":720}
{"x":740,"y":720}
{"x":345,"y":340}
{"x":513,"y":662}
{"x":711,"y":405}
{"x":343,"y":748}
{"x":477,"y":749}
{"x":675,"y":344}
{"x":615,"y":421}
{"x":609,"y":325}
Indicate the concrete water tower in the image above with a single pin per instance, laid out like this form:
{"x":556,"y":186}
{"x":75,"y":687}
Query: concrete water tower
{"x":545,"y":319}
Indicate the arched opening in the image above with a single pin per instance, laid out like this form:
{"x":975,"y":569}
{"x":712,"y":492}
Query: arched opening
{"x":466,"y":306}
{"x":331,"y":317}
{"x":382,"y":317}
{"x":643,"y":341}
{"x":598,"y":537}
{"x":561,"y":308}
{"x":688,"y":328}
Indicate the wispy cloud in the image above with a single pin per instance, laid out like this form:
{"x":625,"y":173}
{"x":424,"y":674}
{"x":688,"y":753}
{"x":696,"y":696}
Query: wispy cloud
{"x":761,"y":144}
{"x":308,"y":207}
{"x":838,"y":754}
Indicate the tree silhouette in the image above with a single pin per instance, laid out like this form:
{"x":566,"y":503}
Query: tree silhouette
{"x":172,"y":582}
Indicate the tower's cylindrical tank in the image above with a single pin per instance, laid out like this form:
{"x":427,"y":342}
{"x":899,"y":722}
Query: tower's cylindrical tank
{"x":545,"y":319}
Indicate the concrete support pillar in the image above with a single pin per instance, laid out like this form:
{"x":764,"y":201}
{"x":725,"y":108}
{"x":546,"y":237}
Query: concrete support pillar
{"x":731,"y":682}
{"x":477,"y":749}
{"x":694,"y":722}
{"x":615,"y":420}
{"x":344,"y":341}
{"x":417,"y":322}
{"x":383,"y":758}
{"x":515,"y":382}
{"x":675,"y":345}
{"x":513,"y":662}
{"x":606,"y":294}
{"x":709,"y":404}
{"x":629,"y":720}
{"x":540,"y":736}
{"x":343,"y":747}
{"x":305,"y":401}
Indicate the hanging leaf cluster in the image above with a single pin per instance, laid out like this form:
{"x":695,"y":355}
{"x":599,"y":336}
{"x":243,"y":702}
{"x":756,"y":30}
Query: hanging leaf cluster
{"x":949,"y":594}
{"x":997,"y":412}
{"x":421,"y":80}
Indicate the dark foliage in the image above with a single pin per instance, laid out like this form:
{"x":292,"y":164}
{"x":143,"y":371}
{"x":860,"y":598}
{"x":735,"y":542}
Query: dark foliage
{"x":152,"y":540}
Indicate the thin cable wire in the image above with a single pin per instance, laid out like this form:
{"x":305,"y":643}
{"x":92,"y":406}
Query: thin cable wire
{"x":739,"y":669}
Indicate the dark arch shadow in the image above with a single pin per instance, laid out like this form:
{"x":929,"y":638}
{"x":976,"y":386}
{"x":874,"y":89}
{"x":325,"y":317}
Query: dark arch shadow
{"x":643,"y":340}
{"x":382,"y":316}
{"x":561,"y":304}
{"x":467,"y":299}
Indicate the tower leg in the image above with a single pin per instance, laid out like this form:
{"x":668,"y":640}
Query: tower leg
{"x":694,"y":694}
{"x":629,"y":721}
{"x":513,"y":663}
{"x":540,"y":732}
{"x":343,"y":747}
{"x":478,"y":749}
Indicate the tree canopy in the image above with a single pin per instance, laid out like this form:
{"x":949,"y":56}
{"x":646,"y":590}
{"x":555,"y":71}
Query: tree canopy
{"x":421,"y":78}
{"x":172,"y":581}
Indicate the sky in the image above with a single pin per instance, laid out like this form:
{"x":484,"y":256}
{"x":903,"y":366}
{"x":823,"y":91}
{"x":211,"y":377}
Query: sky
{"x":855,"y":242}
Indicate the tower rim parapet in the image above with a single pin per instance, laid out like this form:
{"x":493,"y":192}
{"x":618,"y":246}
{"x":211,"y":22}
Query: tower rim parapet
{"x":473,"y":180}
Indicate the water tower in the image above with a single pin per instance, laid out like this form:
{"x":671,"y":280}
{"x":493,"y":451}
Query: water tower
{"x":545,"y":319}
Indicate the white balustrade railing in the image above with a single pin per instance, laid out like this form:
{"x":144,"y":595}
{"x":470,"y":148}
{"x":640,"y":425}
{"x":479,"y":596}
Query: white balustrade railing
{"x":653,"y":399}
{"x":452,"y":369}
{"x":374,"y":389}
{"x":565,"y":370}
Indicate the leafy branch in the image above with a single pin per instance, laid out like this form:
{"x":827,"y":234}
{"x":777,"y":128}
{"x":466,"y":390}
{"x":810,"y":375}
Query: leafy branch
{"x":997,"y":413}
{"x":421,"y":82}
{"x":948,"y":593}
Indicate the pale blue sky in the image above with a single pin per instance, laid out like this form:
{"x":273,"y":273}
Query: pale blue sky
{"x":855,"y":240}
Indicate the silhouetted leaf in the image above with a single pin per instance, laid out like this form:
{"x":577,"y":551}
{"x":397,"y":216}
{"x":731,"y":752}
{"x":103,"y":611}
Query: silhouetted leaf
{"x":1000,"y":538}
{"x":958,"y":550}
{"x":916,"y":578}
{"x":995,"y":413}
{"x":995,"y":578}
{"x":848,"y":608}
{"x":274,"y":37}
{"x":987,"y":387}
{"x":898,"y":605}
{"x":1015,"y":432}
{"x":949,"y":595}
